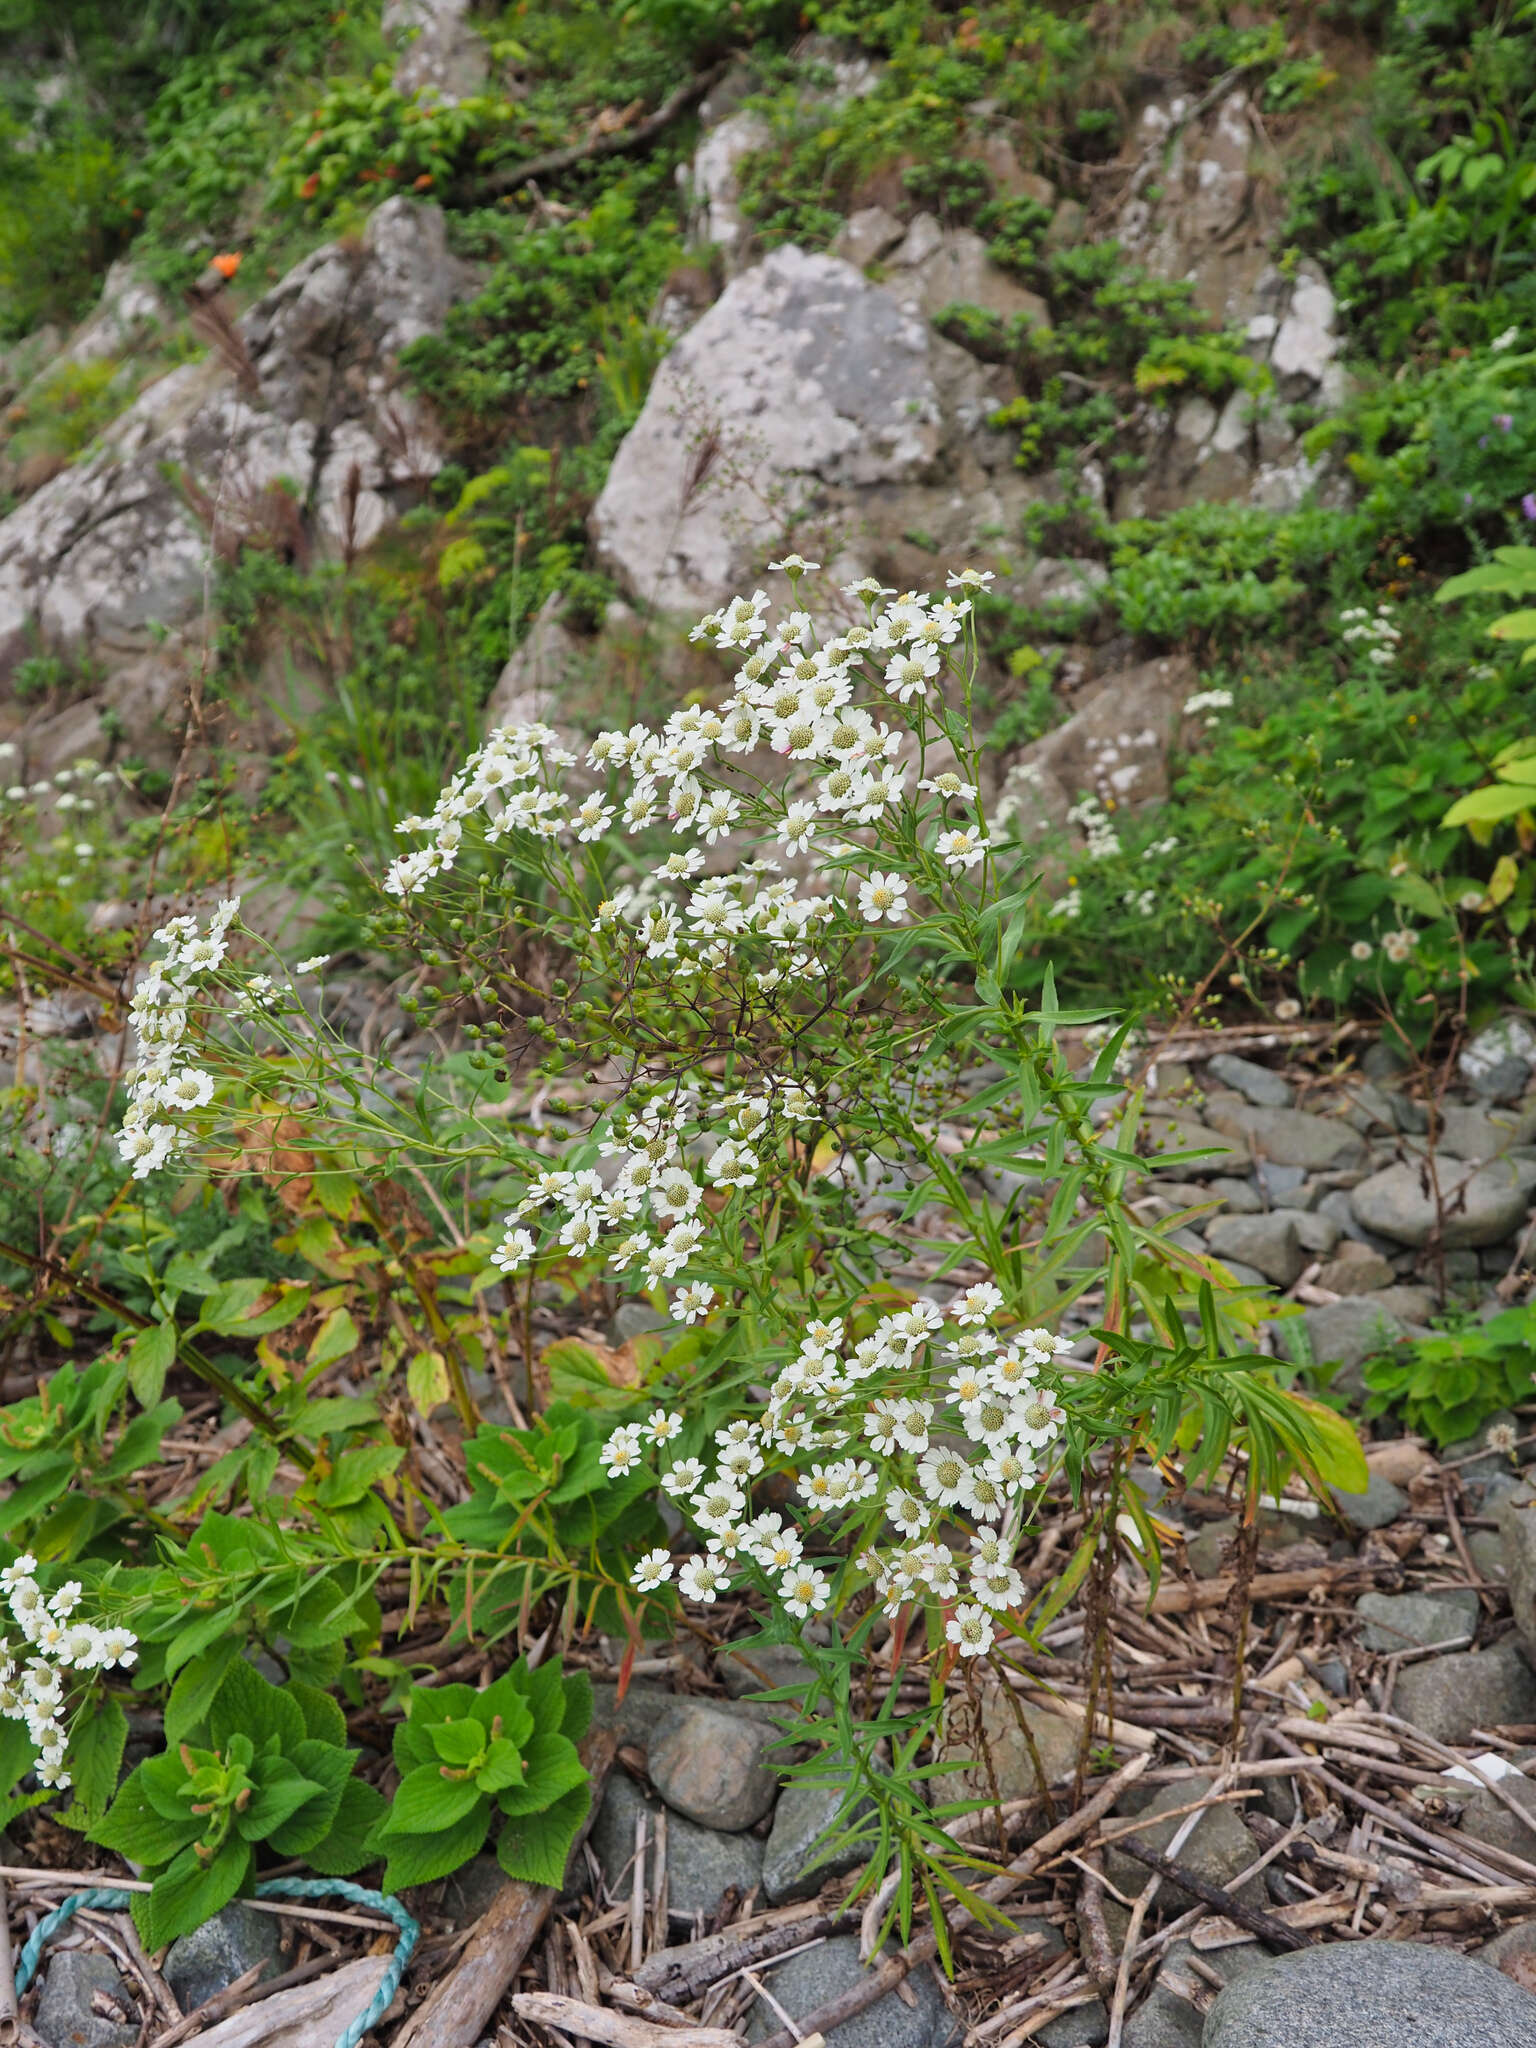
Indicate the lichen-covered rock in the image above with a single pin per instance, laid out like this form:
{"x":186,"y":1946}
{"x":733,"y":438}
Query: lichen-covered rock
{"x":308,"y":444}
{"x":709,"y":1764}
{"x":804,"y":392}
{"x":441,"y":56}
{"x":1115,"y":748}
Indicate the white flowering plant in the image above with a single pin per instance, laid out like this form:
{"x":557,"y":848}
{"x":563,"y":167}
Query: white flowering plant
{"x":746,"y":1044}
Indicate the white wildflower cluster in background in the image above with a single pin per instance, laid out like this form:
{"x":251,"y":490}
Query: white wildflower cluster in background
{"x":165,"y":1086}
{"x":1209,"y":702}
{"x":925,"y":1435}
{"x":56,"y":1647}
{"x":1374,"y":630}
{"x":1089,"y":814}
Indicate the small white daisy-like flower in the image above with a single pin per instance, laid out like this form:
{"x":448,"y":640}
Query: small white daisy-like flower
{"x":685,"y":1477}
{"x":970,"y":1630}
{"x":691,"y":1302}
{"x":883,"y":896}
{"x":701,"y":1579}
{"x":804,"y":1591}
{"x":961,"y":848}
{"x":622,"y":1452}
{"x":653,"y":1570}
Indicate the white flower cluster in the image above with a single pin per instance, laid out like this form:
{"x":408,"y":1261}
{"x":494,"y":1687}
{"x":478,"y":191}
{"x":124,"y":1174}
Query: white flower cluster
{"x":1399,"y":945}
{"x":956,"y":1416}
{"x":164,"y":1087}
{"x":1376,"y":629}
{"x":1103,"y":839}
{"x":58,"y":1645}
{"x":793,"y":695}
{"x":725,"y":1135}
{"x":1210,"y":702}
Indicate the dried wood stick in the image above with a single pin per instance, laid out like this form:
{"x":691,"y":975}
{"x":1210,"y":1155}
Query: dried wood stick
{"x":555,"y":160}
{"x":455,"y":2012}
{"x":9,"y":2016}
{"x":1264,"y":1925}
{"x":682,"y":1974}
{"x":616,"y":2029}
{"x":1174,"y":1597}
{"x":1097,"y":1949}
{"x":247,"y":1989}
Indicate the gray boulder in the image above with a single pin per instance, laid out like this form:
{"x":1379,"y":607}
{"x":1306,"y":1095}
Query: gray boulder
{"x":1416,"y":1621}
{"x":210,"y":1958}
{"x":805,"y":1981}
{"x":1271,"y":1243}
{"x":708,"y":1765}
{"x":80,"y":1989}
{"x":1218,"y":1849}
{"x":793,"y":1867}
{"x":1510,"y":1039}
{"x":1517,"y":1534}
{"x":1487,"y":1819}
{"x":1372,"y":1994}
{"x":442,"y":57}
{"x":992,"y":1728}
{"x":1260,"y":1085}
{"x":804,"y":387}
{"x":1449,"y":1696}
{"x":1291,"y":1137}
{"x":701,"y":1862}
{"x":1478,"y":1204}
{"x":308,"y":442}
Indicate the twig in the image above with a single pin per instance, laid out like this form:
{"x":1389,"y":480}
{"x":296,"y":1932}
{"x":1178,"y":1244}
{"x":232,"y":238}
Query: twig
{"x":1144,"y":1900}
{"x":1098,"y":1951}
{"x":688,"y":94}
{"x":1264,"y":1925}
{"x":8,"y":2012}
{"x":616,"y":2029}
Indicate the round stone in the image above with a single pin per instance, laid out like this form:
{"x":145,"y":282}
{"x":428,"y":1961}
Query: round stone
{"x":1372,"y":1994}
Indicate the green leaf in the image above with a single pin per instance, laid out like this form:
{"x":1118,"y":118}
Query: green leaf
{"x":323,"y":1719}
{"x":426,"y":1381}
{"x":427,"y":1802}
{"x":135,"y":1829}
{"x":280,"y":1792}
{"x":1515,"y":626}
{"x":1486,"y":806}
{"x":330,"y":1769}
{"x":248,"y":1704}
{"x":536,"y":1846}
{"x":95,"y":1758}
{"x":355,"y":1472}
{"x":190,"y":1892}
{"x":337,"y":1337}
{"x":150,"y":1357}
{"x":503,"y":1767}
{"x":346,"y":1847}
{"x":458,"y":1742}
{"x":578,"y":1704}
{"x":196,"y":1684}
{"x":552,"y":1770}
{"x":418,"y":1859}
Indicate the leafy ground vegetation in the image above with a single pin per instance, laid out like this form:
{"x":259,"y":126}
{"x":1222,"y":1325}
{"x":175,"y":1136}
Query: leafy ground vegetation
{"x":601,"y":1237}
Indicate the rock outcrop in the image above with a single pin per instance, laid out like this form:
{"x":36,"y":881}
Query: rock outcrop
{"x":293,"y":433}
{"x":807,"y":402}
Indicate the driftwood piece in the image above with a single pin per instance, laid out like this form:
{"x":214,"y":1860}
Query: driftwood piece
{"x":1174,"y":1596}
{"x":457,"y":2012}
{"x":615,"y":2029}
{"x":308,"y":2016}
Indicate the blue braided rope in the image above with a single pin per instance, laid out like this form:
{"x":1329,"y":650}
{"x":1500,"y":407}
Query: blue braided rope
{"x":109,"y":1899}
